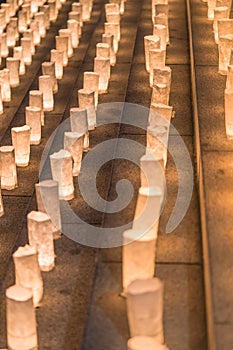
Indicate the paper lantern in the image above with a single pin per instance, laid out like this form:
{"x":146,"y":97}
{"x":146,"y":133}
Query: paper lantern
{"x":148,"y":343}
{"x":76,"y":16}
{"x":229,"y":82}
{"x":47,"y":198}
{"x":160,"y":115}
{"x":219,"y":13}
{"x":73,"y":142}
{"x":228,"y":113}
{"x":108,"y":39}
{"x":114,"y":29}
{"x":160,"y":94}
{"x":40,"y":18}
{"x":45,"y":9}
{"x":2,"y":20}
{"x":46,"y":87}
{"x":21,"y":142}
{"x":151,"y":42}
{"x":161,"y":31}
{"x":161,"y":76}
{"x":18,"y":54}
{"x":12,"y":10}
{"x":91,"y":82}
{"x":86,"y":100}
{"x":13,"y":65}
{"x":4,"y":47}
{"x":145,"y":308}
{"x":34,"y":6}
{"x":78,"y":7}
{"x":27,"y":54}
{"x":211,"y":7}
{"x":162,"y":19}
{"x":27,"y":8}
{"x":53,"y":12}
{"x":23,"y":22}
{"x":56,"y":56}
{"x":138,"y":257}
{"x":1,"y":104}
{"x":48,"y":68}
{"x":86,"y":10}
{"x":5,"y":85}
{"x":1,"y":205}
{"x":11,"y":35}
{"x":40,"y":235}
{"x":67,"y":33}
{"x":27,"y":272}
{"x":225,"y":26}
{"x":29,"y":34}
{"x":157,"y":59}
{"x":224,"y":50}
{"x":34,"y":26}
{"x":62,"y":45}
{"x":73,"y":27}
{"x":159,"y":7}
{"x":112,"y":13}
{"x":36,"y":100}
{"x":8,"y":168}
{"x":102,"y":67}
{"x":6,"y":7}
{"x":33,"y":119}
{"x":157,"y":141}
{"x":79,"y":124}
{"x":20,"y":318}
{"x":62,"y":172}
{"x":147,"y":212}
{"x":152,"y":172}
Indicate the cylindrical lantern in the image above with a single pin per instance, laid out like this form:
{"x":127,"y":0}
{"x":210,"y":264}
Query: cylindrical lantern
{"x":211,"y":7}
{"x":147,"y":212}
{"x":112,"y":13}
{"x":161,"y":31}
{"x":67,"y":33}
{"x":73,"y":27}
{"x":14,"y":24}
{"x":13,"y":65}
{"x":151,"y":42}
{"x":22,"y":16}
{"x":40,"y":17}
{"x":26,"y":47}
{"x":148,"y":343}
{"x":33,"y":119}
{"x":219,"y":13}
{"x":224,"y":50}
{"x":229,"y":82}
{"x":79,"y":124}
{"x":86,"y":13}
{"x":160,"y":94}
{"x":36,"y":100}
{"x":156,"y":61}
{"x":8,"y":168}
{"x":86,"y":100}
{"x":47,"y":198}
{"x":57,"y":57}
{"x":145,"y":308}
{"x":2,"y":20}
{"x":163,"y":20}
{"x":91,"y":81}
{"x":4,"y":47}
{"x":114,"y":29}
{"x":52,"y":10}
{"x":21,"y":142}
{"x":61,"y":166}
{"x":229,"y":113}
{"x":62,"y":45}
{"x":27,"y":8}
{"x":225,"y":26}
{"x":138,"y":257}
{"x":10,"y":35}
{"x":78,"y":7}
{"x":152,"y":172}
{"x":161,"y":76}
{"x":48,"y":68}
{"x":21,"y":319}
{"x":76,"y":16}
{"x":157,"y":141}
{"x":108,"y":38}
{"x":73,"y":142}
{"x":6,"y":7}
{"x":102,"y":67}
{"x":34,"y":26}
{"x":5,"y":85}
{"x":18,"y":53}
{"x":40,"y":235}
{"x":29,"y":34}
{"x":34,"y":6}
{"x":45,"y":9}
{"x":160,"y":115}
{"x":102,"y":50}
{"x":46,"y":87}
{"x":27,"y":272}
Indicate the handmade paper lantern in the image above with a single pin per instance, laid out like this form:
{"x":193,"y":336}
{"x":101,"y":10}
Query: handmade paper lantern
{"x":102,"y":67}
{"x":138,"y":257}
{"x":8,"y":168}
{"x":102,"y":50}
{"x":14,"y":25}
{"x":22,"y":17}
{"x":12,"y":9}
{"x":29,"y":34}
{"x":225,"y":26}
{"x":160,"y":115}
{"x":33,"y":119}
{"x":27,"y":272}
{"x":11,"y":35}
{"x":78,"y":7}
{"x":152,"y":172}
{"x":112,"y":13}
{"x":4,"y":47}
{"x":48,"y":68}
{"x":34,"y":26}
{"x":157,"y":59}
{"x":36,"y":100}
{"x":163,"y":20}
{"x":67,"y":33}
{"x":18,"y":54}
{"x":79,"y":124}
{"x":211,"y":7}
{"x":151,"y":42}
{"x":52,"y":10}
{"x":40,"y":235}
{"x":45,"y":9}
{"x":145,"y":308}
{"x":86,"y":100}
{"x":20,"y":318}
{"x":229,"y":82}
{"x":73,"y":142}
{"x":114,"y":29}
{"x":160,"y":94}
{"x":108,"y":38}
{"x":26,"y":47}
{"x":56,"y":56}
{"x":5,"y":85}
{"x":219,"y":13}
{"x":21,"y":142}
{"x":2,"y":20}
{"x":161,"y":76}
{"x":27,"y":8}
{"x":86,"y":10}
{"x":62,"y":172}
{"x":161,"y":31}
{"x":40,"y":18}
{"x":160,"y":7}
{"x":6,"y":7}
{"x":73,"y":27}
{"x":148,"y":343}
{"x":157,"y":141}
{"x":91,"y":82}
{"x":147,"y":212}
{"x":76,"y":16}
{"x":47,"y":198}
{"x":62,"y":45}
{"x":224,"y":50}
{"x":34,"y":6}
{"x":46,"y":87}
{"x":13,"y":65}
{"x":228,"y":113}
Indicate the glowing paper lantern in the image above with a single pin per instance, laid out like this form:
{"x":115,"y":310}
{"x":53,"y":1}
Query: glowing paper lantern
{"x":219,"y":13}
{"x":33,"y":119}
{"x":138,"y":257}
{"x":67,"y":33}
{"x":48,"y":68}
{"x":40,"y":235}
{"x":34,"y":6}
{"x":8,"y":168}
{"x":73,"y":142}
{"x":225,"y":26}
{"x":148,"y":343}
{"x":12,"y":7}
{"x":18,"y":53}
{"x":26,"y":44}
{"x":5,"y":85}
{"x":6,"y":7}
{"x":211,"y":7}
{"x":160,"y":115}
{"x":102,"y":67}
{"x":56,"y":56}
{"x":21,"y":142}
{"x":36,"y":100}
{"x":157,"y":59}
{"x":157,"y":141}
{"x":14,"y":25}
{"x":27,"y":8}
{"x":86,"y":100}
{"x":73,"y":27}
{"x":46,"y":87}
{"x":145,"y":308}
{"x":78,"y":7}
{"x":1,"y":105}
{"x":62,"y":172}
{"x":161,"y":76}
{"x":11,"y":35}
{"x":151,"y":42}
{"x":47,"y":198}
{"x":79,"y":124}
{"x":29,"y":34}
{"x":224,"y":50}
{"x":45,"y":9}
{"x":52,"y":10}
{"x":114,"y":29}
{"x":4,"y":47}
{"x":161,"y":31}
{"x":62,"y":45}
{"x":40,"y":18}
{"x":152,"y":172}
{"x":76,"y":16}
{"x":13,"y":65}
{"x":23,"y":21}
{"x":112,"y":13}
{"x":2,"y":20}
{"x":34,"y":26}
{"x":163,"y":20}
{"x":160,"y":94}
{"x":91,"y":82}
{"x":21,"y":319}
{"x":86,"y":10}
{"x":108,"y":38}
{"x":27,"y":272}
